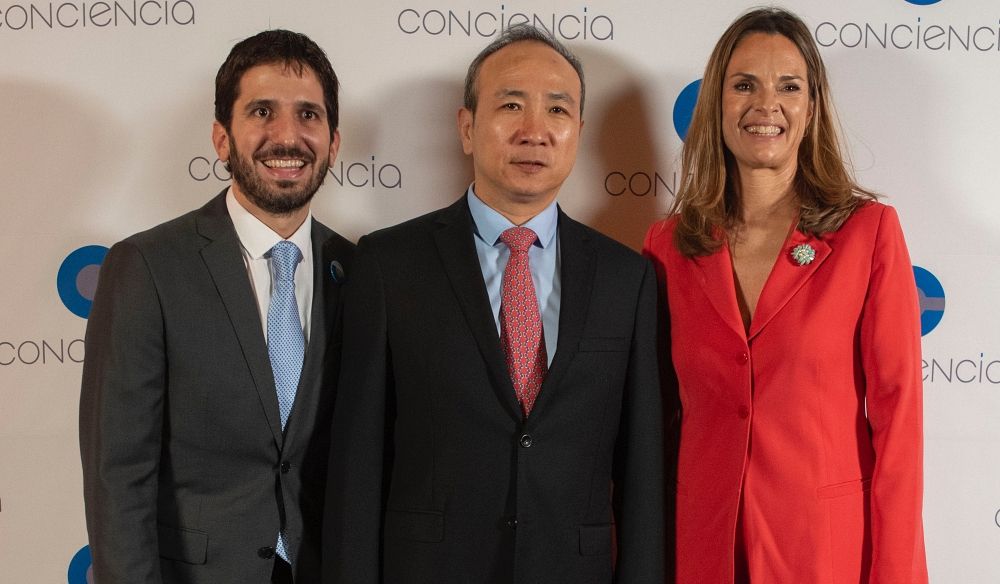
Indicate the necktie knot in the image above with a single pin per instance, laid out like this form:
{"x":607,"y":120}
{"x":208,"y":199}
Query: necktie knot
{"x":285,"y":256}
{"x":518,"y":239}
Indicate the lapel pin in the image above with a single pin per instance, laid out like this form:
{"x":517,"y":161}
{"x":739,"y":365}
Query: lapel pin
{"x":803,"y":254}
{"x":337,"y":272}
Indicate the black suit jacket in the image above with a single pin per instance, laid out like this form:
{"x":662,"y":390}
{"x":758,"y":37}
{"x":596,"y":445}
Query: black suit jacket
{"x":436,"y":477}
{"x":187,"y":475}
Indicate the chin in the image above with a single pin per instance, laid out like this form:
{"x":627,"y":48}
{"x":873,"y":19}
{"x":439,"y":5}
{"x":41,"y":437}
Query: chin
{"x":765,"y":162}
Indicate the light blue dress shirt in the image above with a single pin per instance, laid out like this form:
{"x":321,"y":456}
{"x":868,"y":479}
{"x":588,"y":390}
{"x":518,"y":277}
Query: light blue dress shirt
{"x":543,"y":260}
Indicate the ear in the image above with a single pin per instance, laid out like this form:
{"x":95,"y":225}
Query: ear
{"x":334,"y":146}
{"x":465,"y":121}
{"x":220,"y":139}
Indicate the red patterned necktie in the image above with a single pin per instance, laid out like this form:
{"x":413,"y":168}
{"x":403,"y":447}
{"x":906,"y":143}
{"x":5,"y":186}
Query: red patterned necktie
{"x":520,"y":322}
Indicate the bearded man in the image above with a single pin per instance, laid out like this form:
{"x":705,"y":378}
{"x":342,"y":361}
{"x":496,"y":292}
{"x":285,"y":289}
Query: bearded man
{"x":212,"y":349}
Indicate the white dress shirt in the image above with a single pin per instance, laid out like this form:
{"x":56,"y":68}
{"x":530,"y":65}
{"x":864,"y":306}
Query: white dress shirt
{"x":256,"y":241}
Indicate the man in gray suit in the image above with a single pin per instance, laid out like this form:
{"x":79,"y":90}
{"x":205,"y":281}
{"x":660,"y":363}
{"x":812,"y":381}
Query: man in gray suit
{"x":213,"y":349}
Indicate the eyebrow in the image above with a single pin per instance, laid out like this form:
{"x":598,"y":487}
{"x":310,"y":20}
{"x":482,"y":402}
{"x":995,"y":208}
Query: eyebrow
{"x":754,"y":77}
{"x":552,"y":95}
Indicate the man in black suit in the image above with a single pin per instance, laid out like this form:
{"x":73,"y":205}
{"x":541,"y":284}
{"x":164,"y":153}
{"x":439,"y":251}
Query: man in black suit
{"x":212,"y":350}
{"x":499,"y":415}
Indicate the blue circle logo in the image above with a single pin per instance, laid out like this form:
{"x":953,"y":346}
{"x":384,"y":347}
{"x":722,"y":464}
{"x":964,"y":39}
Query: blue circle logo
{"x":684,"y":107}
{"x":77,"y":278}
{"x":931,"y":296}
{"x":80,"y":568}
{"x":923,"y":2}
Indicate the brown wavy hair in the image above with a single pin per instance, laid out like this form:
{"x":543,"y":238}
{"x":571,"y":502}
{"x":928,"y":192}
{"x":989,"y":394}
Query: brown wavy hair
{"x":708,"y":200}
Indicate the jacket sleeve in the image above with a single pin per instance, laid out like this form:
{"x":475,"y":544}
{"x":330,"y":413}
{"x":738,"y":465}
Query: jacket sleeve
{"x":359,"y":445}
{"x":890,"y":353}
{"x":121,"y":419}
{"x":639,"y":480}
{"x":669,"y":390}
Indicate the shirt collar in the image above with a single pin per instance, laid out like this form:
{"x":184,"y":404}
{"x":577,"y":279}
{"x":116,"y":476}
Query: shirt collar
{"x":488,"y":223}
{"x":258,"y":239}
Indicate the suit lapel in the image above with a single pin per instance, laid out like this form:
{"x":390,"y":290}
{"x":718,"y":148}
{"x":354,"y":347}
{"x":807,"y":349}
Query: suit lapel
{"x":714,"y":274}
{"x":577,"y":268}
{"x":461,"y":263}
{"x":786,"y":278}
{"x":224,"y":261}
{"x":324,"y":311}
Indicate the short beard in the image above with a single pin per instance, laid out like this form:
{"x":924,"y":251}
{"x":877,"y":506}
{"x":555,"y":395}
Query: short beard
{"x":285,"y":198}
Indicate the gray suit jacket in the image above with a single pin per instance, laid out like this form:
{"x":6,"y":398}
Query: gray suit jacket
{"x":187,"y":474}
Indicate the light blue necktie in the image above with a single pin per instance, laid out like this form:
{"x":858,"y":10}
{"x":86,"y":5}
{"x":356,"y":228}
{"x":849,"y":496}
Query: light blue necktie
{"x":285,"y":341}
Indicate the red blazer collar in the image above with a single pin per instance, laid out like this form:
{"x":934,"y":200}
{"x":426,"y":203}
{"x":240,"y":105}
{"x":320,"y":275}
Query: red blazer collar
{"x":715,"y":275}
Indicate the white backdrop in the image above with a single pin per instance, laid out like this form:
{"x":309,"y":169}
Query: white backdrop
{"x":105,"y":120}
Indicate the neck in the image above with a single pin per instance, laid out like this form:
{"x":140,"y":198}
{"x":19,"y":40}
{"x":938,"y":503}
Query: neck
{"x":517,"y":217}
{"x":517,"y":212}
{"x":767,"y":195}
{"x":284,"y":224}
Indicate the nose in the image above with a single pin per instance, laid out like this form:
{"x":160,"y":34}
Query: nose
{"x":533,"y":130}
{"x":766,"y":100}
{"x":283,"y":130}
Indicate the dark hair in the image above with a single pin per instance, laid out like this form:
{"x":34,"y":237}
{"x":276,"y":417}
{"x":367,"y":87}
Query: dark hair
{"x":708,"y":203}
{"x":292,"y":49}
{"x":516,"y":34}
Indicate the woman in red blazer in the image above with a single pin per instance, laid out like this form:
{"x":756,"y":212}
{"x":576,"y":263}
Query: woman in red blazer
{"x":795,"y":335}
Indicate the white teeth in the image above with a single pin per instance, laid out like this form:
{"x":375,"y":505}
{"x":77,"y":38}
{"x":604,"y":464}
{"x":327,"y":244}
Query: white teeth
{"x":283,"y":163}
{"x":763,"y":130}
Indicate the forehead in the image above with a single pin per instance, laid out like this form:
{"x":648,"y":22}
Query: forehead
{"x":759,"y":50}
{"x":529,"y":62}
{"x":280,"y":81}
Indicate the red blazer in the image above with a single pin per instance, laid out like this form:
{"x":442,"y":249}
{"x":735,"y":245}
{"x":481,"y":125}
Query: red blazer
{"x":813,"y":420}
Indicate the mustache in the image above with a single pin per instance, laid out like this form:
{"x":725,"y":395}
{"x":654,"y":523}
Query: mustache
{"x":280,"y":151}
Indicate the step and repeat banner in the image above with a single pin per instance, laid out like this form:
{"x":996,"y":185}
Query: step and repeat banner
{"x":105,"y":123}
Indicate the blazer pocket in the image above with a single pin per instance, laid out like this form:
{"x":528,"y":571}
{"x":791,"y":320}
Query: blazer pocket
{"x":843,"y":489}
{"x":415,"y":525}
{"x":601,"y":344}
{"x":184,"y":545}
{"x":595,"y":540}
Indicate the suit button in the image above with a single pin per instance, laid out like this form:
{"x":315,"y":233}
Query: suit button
{"x":526,"y":441}
{"x":285,"y":467}
{"x":511,"y":523}
{"x":744,"y":357}
{"x":744,"y":412}
{"x":265,"y":552}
